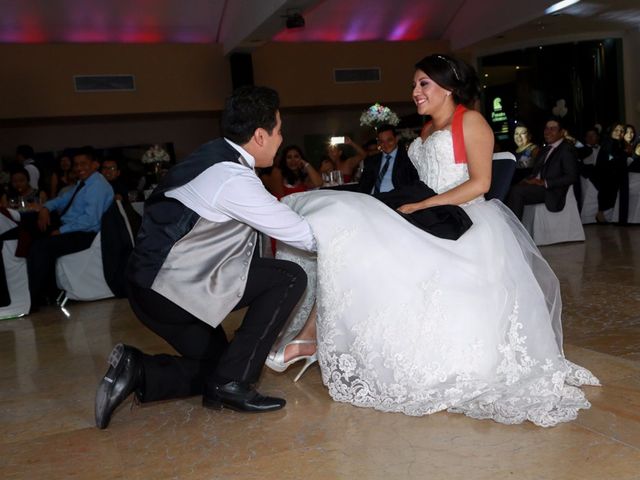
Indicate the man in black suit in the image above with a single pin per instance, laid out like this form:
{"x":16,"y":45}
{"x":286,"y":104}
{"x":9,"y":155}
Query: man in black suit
{"x":389,"y":169}
{"x":556,"y":169}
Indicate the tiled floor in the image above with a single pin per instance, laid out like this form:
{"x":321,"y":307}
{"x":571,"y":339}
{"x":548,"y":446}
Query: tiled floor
{"x":50,"y":365}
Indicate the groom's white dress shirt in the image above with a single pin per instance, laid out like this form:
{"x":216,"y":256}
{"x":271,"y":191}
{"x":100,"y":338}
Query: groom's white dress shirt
{"x":231,"y":191}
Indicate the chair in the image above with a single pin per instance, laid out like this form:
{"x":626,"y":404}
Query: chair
{"x":590,"y":203}
{"x":547,"y":227}
{"x":81,"y":275}
{"x":503,"y":168}
{"x":15,"y":271}
{"x":633,"y":215}
{"x":17,"y":281}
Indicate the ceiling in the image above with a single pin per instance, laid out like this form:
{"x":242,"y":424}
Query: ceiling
{"x":240,"y":25}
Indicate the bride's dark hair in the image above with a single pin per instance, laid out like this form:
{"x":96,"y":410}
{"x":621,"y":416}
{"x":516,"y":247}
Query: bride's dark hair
{"x":452,"y":74}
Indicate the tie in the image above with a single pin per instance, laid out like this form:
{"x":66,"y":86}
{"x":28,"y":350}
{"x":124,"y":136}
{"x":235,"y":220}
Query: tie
{"x":80,"y":185}
{"x":382,"y":173}
{"x":541,"y":160}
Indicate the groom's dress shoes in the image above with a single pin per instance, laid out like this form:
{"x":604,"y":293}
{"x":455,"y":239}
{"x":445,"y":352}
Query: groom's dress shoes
{"x":125,"y":374}
{"x":241,"y":397}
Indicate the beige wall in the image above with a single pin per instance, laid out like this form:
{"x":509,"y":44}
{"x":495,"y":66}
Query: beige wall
{"x":181,"y":89}
{"x":37,"y":80}
{"x":186,"y":131}
{"x":303,"y":73}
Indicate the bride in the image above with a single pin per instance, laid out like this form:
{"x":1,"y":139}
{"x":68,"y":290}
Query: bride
{"x":403,"y":321}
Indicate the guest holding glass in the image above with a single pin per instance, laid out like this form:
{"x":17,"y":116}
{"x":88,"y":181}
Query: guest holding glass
{"x":346,"y":165}
{"x":21,"y":195}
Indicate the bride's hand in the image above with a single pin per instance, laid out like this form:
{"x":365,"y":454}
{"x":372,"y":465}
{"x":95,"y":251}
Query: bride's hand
{"x":410,"y":208}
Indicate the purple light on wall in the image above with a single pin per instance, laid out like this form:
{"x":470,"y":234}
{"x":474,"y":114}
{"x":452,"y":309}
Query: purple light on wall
{"x":22,"y":28}
{"x":399,"y":32}
{"x":192,"y":36}
{"x":355,"y":30}
{"x":86,"y":35}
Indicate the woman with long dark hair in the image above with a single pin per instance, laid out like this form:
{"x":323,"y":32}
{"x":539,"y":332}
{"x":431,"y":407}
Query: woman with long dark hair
{"x":409,"y":322}
{"x":298,"y":175}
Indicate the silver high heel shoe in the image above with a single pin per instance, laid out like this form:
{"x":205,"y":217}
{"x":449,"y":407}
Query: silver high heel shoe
{"x":275,"y":360}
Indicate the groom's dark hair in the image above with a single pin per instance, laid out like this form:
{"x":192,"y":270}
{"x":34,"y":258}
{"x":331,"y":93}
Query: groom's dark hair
{"x":247,"y":109}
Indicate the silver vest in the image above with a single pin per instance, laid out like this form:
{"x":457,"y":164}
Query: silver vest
{"x":206,"y":271}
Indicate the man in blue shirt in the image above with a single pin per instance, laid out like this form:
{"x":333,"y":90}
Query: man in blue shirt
{"x":80,"y":212}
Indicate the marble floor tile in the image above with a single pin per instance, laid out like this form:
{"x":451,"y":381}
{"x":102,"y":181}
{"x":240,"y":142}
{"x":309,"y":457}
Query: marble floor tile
{"x":51,"y":362}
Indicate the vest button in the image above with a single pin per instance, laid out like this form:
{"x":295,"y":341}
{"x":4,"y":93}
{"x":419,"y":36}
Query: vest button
{"x":243,"y":277}
{"x":239,"y":295}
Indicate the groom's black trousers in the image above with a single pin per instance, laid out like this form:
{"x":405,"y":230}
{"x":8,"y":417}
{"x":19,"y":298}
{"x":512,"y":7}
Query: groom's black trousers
{"x":273,"y":289}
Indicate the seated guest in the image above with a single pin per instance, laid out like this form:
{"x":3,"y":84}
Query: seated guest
{"x":111,"y":172}
{"x":556,"y":169}
{"x":635,"y":159}
{"x":80,"y":212}
{"x":298,"y":175}
{"x":390,"y":168}
{"x":327,"y":166}
{"x":526,"y":152}
{"x":63,"y":176}
{"x":20,"y":193}
{"x":610,"y":169}
{"x":587,"y":153}
{"x":590,"y":152}
{"x":347,"y":165}
{"x":629,"y":139}
{"x":371,"y":147}
{"x":24,"y":156}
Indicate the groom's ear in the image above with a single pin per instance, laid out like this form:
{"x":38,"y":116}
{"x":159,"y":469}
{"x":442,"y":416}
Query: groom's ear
{"x":259,"y":136}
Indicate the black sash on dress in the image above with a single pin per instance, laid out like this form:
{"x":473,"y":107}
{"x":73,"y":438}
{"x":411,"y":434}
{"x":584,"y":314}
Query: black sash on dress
{"x":443,"y":221}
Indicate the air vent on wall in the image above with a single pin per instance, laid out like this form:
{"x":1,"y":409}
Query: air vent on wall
{"x":356,"y":75}
{"x":104,"y":83}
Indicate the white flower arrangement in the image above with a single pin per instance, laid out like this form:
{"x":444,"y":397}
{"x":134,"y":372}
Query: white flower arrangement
{"x":377,"y":115}
{"x":156,"y":154}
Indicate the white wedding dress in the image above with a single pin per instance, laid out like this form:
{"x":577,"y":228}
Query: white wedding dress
{"x":408,"y":322}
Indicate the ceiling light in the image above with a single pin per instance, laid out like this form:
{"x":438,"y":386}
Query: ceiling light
{"x":556,"y":7}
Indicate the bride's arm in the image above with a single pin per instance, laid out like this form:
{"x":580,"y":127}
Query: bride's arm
{"x":478,"y":143}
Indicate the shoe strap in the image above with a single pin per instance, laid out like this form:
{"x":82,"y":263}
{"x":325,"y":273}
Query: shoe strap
{"x":298,"y":342}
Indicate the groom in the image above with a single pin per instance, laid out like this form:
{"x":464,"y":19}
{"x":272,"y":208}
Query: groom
{"x":196,"y":259}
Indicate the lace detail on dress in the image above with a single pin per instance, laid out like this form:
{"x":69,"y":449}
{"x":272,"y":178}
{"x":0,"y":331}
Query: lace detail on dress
{"x":432,"y":159}
{"x":516,"y":362}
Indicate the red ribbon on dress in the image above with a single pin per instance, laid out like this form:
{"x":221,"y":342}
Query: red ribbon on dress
{"x":457,"y":134}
